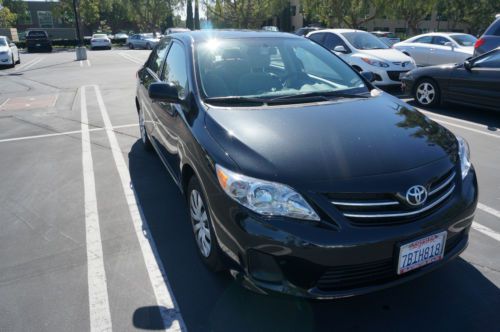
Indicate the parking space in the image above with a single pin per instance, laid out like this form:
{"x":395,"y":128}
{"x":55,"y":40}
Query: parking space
{"x":95,"y":234}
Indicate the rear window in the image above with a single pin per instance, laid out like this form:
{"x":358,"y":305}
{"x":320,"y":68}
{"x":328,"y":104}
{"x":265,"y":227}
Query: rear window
{"x":464,"y":40}
{"x":36,"y":34}
{"x":494,"y":29}
{"x":99,"y":35}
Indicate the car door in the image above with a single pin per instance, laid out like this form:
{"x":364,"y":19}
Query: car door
{"x":149,"y":74}
{"x":332,"y":40}
{"x":419,"y":50}
{"x":14,"y":49}
{"x":478,"y":85}
{"x":171,"y":116}
{"x":440,"y":53}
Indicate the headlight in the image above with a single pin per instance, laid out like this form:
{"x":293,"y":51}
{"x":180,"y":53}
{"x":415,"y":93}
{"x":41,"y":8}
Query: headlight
{"x":375,"y":62}
{"x":464,"y":154}
{"x":4,"y":52}
{"x":264,"y":197}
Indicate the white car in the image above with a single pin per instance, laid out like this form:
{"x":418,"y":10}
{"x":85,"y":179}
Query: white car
{"x":438,"y":48}
{"x":100,"y":40}
{"x":9,"y":54}
{"x":365,"y":52}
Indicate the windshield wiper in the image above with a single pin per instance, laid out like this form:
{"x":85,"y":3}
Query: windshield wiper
{"x":325,"y":95}
{"x":235,"y":100}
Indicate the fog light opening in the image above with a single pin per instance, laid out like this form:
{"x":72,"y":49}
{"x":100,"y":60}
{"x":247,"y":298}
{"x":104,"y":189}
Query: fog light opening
{"x":263,"y":267}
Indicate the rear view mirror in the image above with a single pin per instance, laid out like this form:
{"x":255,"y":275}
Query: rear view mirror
{"x":468,"y":65}
{"x":368,"y":75}
{"x":340,"y":49}
{"x":162,"y":91}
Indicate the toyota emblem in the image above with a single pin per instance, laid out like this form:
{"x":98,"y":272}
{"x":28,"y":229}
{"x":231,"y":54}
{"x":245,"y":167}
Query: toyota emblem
{"x":416,"y":195}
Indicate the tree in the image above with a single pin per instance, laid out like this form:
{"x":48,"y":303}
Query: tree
{"x":196,"y":15}
{"x":7,"y":18}
{"x":189,"y":15}
{"x":19,"y":8}
{"x":476,"y":17}
{"x":412,"y":12}
{"x":243,"y":14}
{"x":342,"y":13}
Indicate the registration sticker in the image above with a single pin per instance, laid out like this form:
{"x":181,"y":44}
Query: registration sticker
{"x":421,"y":252}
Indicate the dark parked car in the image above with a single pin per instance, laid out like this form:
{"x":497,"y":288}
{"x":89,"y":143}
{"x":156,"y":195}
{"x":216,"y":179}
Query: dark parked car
{"x":475,"y":82}
{"x":305,"y":30}
{"x":38,"y":40}
{"x":490,"y":39}
{"x":300,"y":176}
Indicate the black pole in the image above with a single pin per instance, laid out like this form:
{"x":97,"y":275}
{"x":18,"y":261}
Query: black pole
{"x":77,"y":23}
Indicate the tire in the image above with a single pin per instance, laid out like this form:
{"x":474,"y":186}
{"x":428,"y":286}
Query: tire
{"x":148,"y":46}
{"x":131,"y":46}
{"x":146,"y":142}
{"x":206,"y":242}
{"x":426,"y":93}
{"x":18,"y":59}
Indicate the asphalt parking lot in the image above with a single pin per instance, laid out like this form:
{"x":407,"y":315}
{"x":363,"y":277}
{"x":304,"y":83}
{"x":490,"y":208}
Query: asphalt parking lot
{"x":95,"y":234}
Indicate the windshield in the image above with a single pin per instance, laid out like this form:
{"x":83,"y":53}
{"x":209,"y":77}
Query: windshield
{"x":98,"y":35}
{"x":364,"y":41}
{"x":3,"y":42}
{"x":464,"y":40}
{"x":271,"y":68}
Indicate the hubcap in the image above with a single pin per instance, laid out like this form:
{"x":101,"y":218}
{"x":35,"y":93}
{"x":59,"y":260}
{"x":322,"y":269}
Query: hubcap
{"x":199,"y":220}
{"x":142,"y":127}
{"x":426,"y":93}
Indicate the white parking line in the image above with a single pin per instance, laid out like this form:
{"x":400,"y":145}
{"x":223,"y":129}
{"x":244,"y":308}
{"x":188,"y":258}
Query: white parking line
{"x":88,"y":63}
{"x":131,"y":58}
{"x":467,"y":128}
{"x":489,"y":210}
{"x":29,"y":64}
{"x":61,"y":134}
{"x":167,"y":305}
{"x":81,"y":63}
{"x":100,"y":316}
{"x":486,"y":231}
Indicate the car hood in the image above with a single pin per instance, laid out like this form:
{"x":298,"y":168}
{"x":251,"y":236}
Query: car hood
{"x":300,"y":144}
{"x":387,"y":55}
{"x":4,"y":48}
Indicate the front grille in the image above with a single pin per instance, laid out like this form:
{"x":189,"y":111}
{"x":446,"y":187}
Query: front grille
{"x":369,"y":274}
{"x":394,"y":75}
{"x":390,"y":208}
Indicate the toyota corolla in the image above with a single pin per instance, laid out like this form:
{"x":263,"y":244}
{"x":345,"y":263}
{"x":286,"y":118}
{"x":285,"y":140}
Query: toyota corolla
{"x":301,"y":177}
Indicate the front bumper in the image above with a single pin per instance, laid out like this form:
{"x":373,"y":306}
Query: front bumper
{"x":390,"y":76}
{"x":297,"y":254}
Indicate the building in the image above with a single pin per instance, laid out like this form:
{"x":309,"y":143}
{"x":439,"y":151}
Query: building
{"x":40,"y":15}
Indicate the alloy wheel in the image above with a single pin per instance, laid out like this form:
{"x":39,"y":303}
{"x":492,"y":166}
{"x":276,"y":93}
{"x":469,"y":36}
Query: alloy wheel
{"x":201,"y":226}
{"x":425,"y":93}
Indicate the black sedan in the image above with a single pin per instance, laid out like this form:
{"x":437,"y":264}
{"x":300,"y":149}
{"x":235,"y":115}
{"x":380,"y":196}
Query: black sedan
{"x":476,"y":82}
{"x":300,"y":176}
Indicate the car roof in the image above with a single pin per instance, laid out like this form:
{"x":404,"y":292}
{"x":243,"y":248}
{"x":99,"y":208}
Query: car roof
{"x":199,"y":36}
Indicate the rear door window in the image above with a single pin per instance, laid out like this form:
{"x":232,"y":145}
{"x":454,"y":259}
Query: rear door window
{"x":424,"y":40}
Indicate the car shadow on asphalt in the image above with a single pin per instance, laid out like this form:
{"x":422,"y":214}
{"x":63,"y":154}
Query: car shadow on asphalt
{"x":456,"y":296}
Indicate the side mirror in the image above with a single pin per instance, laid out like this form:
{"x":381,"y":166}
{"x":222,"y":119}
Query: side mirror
{"x":450,"y":44}
{"x":368,"y":75}
{"x":162,"y":91}
{"x":468,"y":65}
{"x":340,"y":49}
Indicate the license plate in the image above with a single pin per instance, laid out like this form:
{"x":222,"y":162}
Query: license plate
{"x":38,"y":44}
{"x":421,"y":252}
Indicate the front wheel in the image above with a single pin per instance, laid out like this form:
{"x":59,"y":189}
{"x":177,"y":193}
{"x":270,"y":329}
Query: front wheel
{"x":18,"y":59}
{"x":148,"y":46}
{"x":203,"y":231}
{"x":427,"y":93}
{"x":131,"y":46}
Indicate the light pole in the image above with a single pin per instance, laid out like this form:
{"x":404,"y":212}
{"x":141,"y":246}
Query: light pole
{"x":81,"y":51}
